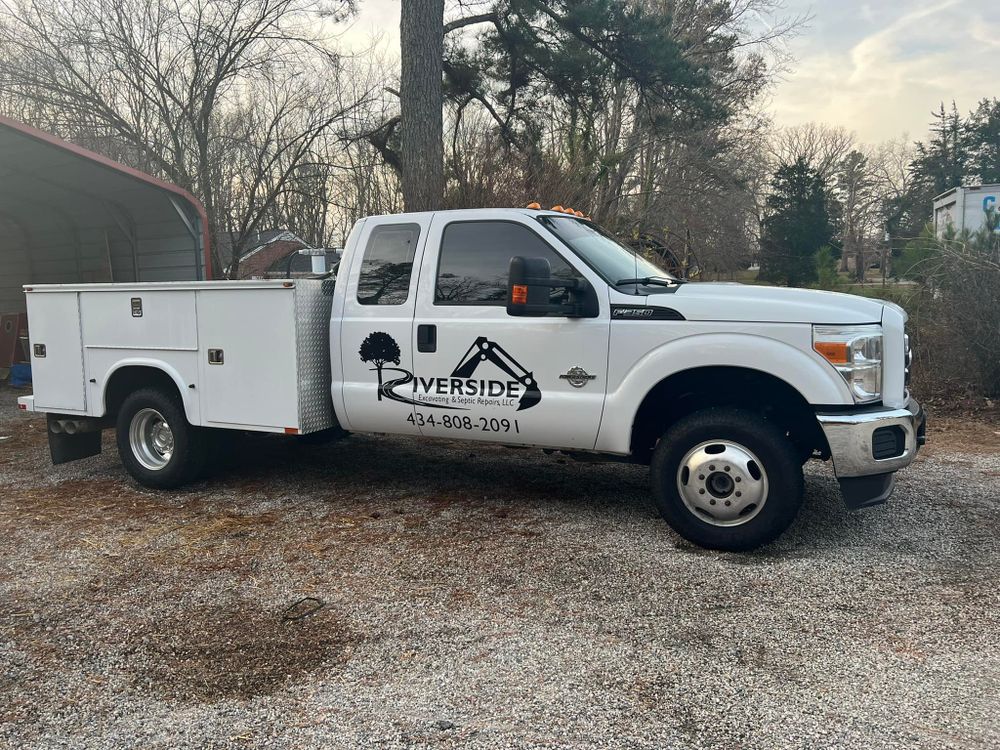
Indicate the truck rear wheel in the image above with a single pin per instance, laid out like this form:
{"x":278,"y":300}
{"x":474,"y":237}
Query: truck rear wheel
{"x":157,"y":445}
{"x":727,"y":479}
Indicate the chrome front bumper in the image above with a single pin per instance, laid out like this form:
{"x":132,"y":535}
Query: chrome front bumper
{"x":850,"y":437}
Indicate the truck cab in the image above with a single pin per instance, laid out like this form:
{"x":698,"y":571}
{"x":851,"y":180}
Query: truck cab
{"x":538,"y":328}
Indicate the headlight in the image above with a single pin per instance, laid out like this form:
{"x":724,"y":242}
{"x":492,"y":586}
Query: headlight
{"x":856,"y":353}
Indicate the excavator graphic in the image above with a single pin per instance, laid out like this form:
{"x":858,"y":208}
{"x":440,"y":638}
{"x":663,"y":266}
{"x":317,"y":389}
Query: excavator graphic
{"x":484,"y":350}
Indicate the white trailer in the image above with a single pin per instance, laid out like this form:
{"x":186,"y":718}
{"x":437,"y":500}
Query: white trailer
{"x":965,"y":208}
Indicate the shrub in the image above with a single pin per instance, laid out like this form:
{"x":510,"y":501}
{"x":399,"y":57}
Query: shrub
{"x":827,"y":276}
{"x":955,"y":304}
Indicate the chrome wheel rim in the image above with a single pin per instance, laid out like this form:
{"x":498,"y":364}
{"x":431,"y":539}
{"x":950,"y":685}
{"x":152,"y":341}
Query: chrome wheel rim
{"x":151,"y":439}
{"x":722,"y":483}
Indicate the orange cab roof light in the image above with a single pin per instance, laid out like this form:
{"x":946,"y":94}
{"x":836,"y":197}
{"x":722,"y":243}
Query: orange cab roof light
{"x":534,"y":206}
{"x":557,"y":208}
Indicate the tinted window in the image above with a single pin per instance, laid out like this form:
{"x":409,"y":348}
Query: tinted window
{"x":388,"y":264}
{"x":472,"y":269}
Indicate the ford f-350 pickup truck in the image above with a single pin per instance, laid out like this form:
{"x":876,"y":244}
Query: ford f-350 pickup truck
{"x":515,"y":326}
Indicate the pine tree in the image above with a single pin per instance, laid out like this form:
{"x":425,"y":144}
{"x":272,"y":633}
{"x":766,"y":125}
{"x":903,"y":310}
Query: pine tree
{"x":983,"y":141}
{"x":942,"y":163}
{"x":796,"y":226}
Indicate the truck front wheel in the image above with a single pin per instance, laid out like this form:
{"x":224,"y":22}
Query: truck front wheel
{"x":157,"y":445}
{"x":727,"y":479}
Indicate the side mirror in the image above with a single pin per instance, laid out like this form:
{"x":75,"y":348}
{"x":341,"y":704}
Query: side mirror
{"x":529,"y":289}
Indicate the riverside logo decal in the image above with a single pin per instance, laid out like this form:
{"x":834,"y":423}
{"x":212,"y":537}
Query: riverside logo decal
{"x":461,"y":390}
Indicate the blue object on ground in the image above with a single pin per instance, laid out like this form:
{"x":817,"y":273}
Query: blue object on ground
{"x":20,"y":375}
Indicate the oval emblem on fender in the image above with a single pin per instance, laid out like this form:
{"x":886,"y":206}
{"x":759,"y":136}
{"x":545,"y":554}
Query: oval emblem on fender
{"x":577,"y":377}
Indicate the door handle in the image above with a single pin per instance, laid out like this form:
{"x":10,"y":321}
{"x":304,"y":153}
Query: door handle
{"x":427,"y":337}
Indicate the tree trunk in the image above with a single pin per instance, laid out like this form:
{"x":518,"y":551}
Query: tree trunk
{"x":421,"y":45}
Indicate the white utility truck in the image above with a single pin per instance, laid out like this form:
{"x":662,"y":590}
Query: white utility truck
{"x":516,"y":326}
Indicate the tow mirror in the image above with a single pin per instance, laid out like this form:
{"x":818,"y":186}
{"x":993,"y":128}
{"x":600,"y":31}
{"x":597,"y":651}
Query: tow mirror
{"x":529,"y":289}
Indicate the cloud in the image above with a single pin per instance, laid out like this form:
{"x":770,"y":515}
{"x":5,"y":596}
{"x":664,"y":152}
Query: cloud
{"x":376,"y":19}
{"x":883,"y":78}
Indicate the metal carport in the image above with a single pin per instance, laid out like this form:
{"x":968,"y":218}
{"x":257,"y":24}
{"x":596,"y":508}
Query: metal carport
{"x":68,"y":215}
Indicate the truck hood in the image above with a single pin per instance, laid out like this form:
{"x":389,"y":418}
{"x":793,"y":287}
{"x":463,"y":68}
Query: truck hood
{"x":769,"y":304}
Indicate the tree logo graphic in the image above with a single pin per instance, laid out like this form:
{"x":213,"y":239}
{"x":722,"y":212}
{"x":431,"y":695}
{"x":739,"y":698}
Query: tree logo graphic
{"x":379,"y":348}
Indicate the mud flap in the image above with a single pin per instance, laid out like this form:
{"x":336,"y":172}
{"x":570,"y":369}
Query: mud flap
{"x":64,"y":447}
{"x":862,"y":492}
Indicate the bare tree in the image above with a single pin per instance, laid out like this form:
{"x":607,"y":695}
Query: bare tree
{"x":227,"y":98}
{"x":860,"y":195}
{"x":822,"y":146}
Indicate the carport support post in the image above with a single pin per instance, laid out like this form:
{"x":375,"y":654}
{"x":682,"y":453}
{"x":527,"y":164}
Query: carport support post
{"x":111,"y":265}
{"x":129,"y":235}
{"x":195,"y":235}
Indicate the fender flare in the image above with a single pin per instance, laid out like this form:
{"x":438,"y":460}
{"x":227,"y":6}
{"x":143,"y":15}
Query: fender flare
{"x":189,"y":398}
{"x":815,"y":380}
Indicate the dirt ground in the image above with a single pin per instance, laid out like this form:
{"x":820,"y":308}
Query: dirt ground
{"x":382,"y":592}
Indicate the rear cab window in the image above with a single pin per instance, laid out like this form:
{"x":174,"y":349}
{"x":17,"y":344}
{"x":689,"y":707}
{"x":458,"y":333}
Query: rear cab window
{"x":387,"y":264}
{"x":474,"y":258}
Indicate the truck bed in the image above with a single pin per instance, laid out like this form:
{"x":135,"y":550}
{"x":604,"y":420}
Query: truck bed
{"x":251,"y":355}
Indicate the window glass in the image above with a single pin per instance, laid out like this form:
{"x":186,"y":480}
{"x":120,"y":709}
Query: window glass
{"x":606,"y":255}
{"x":472,"y":269}
{"x":388,"y":264}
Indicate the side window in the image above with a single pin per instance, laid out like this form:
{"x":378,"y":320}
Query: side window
{"x":388,"y":264}
{"x":472,"y":269}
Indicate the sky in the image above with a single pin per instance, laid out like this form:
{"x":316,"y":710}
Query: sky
{"x":877,"y":68}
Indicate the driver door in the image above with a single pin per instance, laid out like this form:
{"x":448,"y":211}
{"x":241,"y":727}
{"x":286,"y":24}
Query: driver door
{"x":481,"y":374}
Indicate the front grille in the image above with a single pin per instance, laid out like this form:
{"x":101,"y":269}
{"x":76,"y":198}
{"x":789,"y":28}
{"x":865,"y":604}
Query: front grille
{"x":888,"y":442}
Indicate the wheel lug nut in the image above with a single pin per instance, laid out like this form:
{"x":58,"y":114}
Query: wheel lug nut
{"x":728,"y":503}
{"x":739,"y":494}
{"x":711,"y":467}
{"x":701,"y":492}
{"x":701,"y":476}
{"x":726,"y":468}
{"x":738,"y":479}
{"x":711,"y":502}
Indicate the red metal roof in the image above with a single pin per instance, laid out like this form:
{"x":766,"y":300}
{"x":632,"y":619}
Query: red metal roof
{"x":103,"y":161}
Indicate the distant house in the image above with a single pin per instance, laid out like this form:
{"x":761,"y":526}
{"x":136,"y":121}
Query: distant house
{"x":299,"y":265}
{"x":265,"y":250}
{"x":275,"y":255}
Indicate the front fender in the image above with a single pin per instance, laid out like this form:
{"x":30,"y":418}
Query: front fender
{"x":806,"y":372}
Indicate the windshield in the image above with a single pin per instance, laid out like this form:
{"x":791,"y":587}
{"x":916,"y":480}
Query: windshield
{"x":607,"y":256}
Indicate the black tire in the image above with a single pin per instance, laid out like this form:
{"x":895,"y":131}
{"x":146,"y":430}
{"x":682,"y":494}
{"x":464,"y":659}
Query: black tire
{"x":779,"y":465}
{"x":187,"y":458}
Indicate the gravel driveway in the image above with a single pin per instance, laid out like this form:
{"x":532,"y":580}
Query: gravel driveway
{"x":484,"y":598}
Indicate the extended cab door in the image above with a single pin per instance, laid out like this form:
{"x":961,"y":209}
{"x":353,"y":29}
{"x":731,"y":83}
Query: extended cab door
{"x":480,"y":374}
{"x":377,"y":324}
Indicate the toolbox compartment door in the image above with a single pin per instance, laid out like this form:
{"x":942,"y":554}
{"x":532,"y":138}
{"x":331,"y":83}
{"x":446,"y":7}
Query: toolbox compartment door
{"x":56,"y":351}
{"x":248,"y":364}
